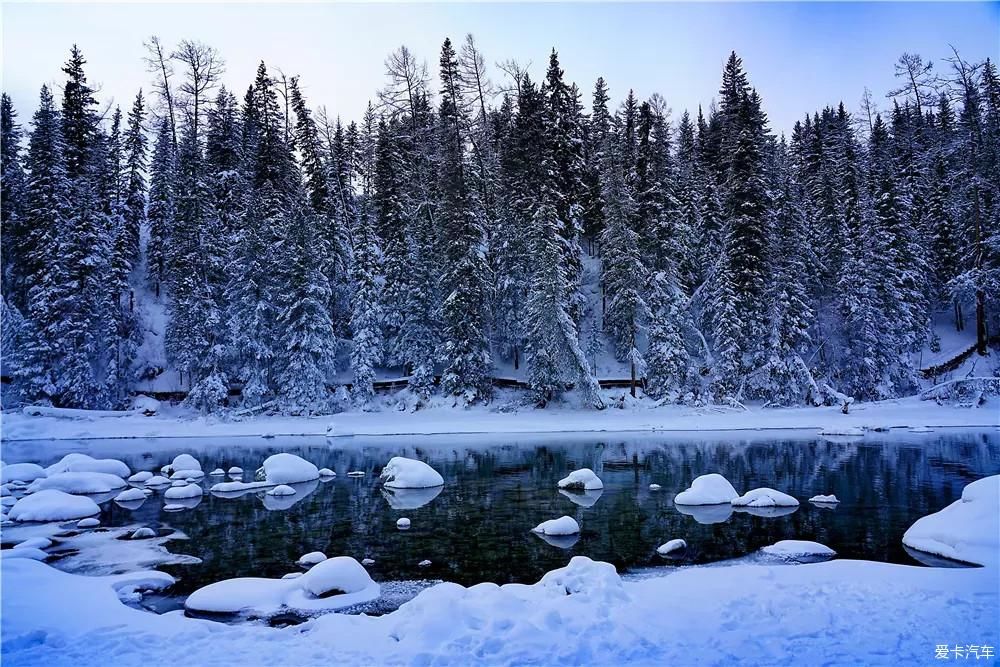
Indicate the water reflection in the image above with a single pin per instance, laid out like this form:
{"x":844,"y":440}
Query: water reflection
{"x":410,"y":499}
{"x":583,"y":498}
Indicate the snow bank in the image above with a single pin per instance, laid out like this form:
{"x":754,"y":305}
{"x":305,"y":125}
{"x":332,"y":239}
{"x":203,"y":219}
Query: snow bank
{"x":144,"y":404}
{"x":143,"y":533}
{"x":404,"y":473}
{"x":287,"y":468}
{"x":281,"y":490}
{"x":53,"y":505}
{"x":186,"y":491}
{"x":825,"y":500}
{"x":583,"y":479}
{"x":711,"y":489}
{"x":798,"y":548}
{"x":21,"y":472}
{"x":27,"y":552}
{"x":852,"y":431}
{"x":76,"y":462}
{"x":765,"y":497}
{"x":89,"y":522}
{"x":968,"y":530}
{"x":79,"y":482}
{"x":564,"y":525}
{"x":332,"y":584}
{"x":671,"y":546}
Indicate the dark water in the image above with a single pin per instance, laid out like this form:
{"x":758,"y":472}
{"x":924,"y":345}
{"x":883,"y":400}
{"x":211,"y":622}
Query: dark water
{"x":476,"y":528}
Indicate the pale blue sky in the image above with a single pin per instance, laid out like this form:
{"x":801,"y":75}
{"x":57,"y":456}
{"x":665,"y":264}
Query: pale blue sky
{"x":800,"y":56}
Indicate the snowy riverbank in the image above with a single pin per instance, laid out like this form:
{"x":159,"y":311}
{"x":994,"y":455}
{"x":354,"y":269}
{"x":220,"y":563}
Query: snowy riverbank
{"x":175,"y":422}
{"x":838,"y":612}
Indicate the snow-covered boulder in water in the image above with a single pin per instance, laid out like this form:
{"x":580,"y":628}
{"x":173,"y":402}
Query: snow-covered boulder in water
{"x":181,"y":462}
{"x":82,"y":463}
{"x":824,"y":500}
{"x":968,"y":530}
{"x":765,"y":497}
{"x":326,"y":472}
{"x":186,"y":491}
{"x":130,"y":496}
{"x":89,"y":522}
{"x":404,"y":473}
{"x":236,"y":470}
{"x":403,"y":523}
{"x":799,"y":548}
{"x":711,"y":489}
{"x":157,"y":480}
{"x":583,"y":479}
{"x":671,"y":547}
{"x":287,"y":468}
{"x":141,"y":477}
{"x":53,"y":505}
{"x":564,"y":525}
{"x":311,"y":558}
{"x":22,"y":472}
{"x":281,"y":490}
{"x":333,"y":584}
{"x":79,"y":482}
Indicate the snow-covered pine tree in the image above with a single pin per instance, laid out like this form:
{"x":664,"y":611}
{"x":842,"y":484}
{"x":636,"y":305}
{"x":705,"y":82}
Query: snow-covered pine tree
{"x":12,"y":229}
{"x":366,"y":316}
{"x":161,"y":208}
{"x":465,"y":347}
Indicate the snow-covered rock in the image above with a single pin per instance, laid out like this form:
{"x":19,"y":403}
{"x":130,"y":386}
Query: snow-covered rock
{"x":141,"y":477}
{"x":799,"y":548}
{"x":179,"y":482}
{"x":143,"y":533}
{"x":218,"y":472}
{"x":184,"y":462}
{"x":7,"y":501}
{"x":235,"y":488}
{"x":89,"y":522}
{"x":584,"y":479}
{"x":356,"y":473}
{"x":824,"y":500}
{"x":281,"y":490}
{"x":655,"y":487}
{"x":311,"y":558}
{"x":174,"y":507}
{"x":79,"y":482}
{"x":291,"y":575}
{"x":145,"y":404}
{"x":564,"y":525}
{"x":34,"y":543}
{"x":404,"y":473}
{"x":368,"y":561}
{"x":157,"y":480}
{"x":711,"y":489}
{"x":186,"y":491}
{"x":53,"y":505}
{"x":21,"y":472}
{"x":236,"y":470}
{"x":332,"y":584}
{"x":594,"y":582}
{"x":765,"y":497}
{"x":968,"y":530}
{"x":287,"y":468}
{"x":30,"y":553}
{"x":424,"y":563}
{"x":326,"y":472}
{"x":77,"y":462}
{"x":188,"y":475}
{"x":130,"y":496}
{"x":671,"y":546}
{"x":402,"y":523}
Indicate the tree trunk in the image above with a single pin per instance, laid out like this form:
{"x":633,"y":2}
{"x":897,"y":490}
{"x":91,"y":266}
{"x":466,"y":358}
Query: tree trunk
{"x":632,"y":386}
{"x":981,"y":322}
{"x":517,"y":358}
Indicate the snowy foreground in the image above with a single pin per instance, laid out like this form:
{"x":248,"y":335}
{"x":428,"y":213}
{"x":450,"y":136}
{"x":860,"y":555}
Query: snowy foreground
{"x":837,"y":612}
{"x":911,"y":412}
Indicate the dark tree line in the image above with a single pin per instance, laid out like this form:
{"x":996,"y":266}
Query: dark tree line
{"x":463,"y":226}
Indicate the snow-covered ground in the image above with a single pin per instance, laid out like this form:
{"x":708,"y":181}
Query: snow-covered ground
{"x":832,"y":613}
{"x":500,"y":417}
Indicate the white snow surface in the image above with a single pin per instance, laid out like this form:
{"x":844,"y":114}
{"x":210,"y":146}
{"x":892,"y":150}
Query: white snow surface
{"x":53,"y":505}
{"x":184,"y":462}
{"x":130,"y":496}
{"x":141,"y":477}
{"x":798,"y":548}
{"x":584,"y":478}
{"x":968,"y":530}
{"x":827,"y":499}
{"x":403,"y":473}
{"x":285,"y":468}
{"x":402,"y":523}
{"x":332,"y":584}
{"x":312,"y":558}
{"x":765,"y":497}
{"x":79,"y":482}
{"x":564,"y":525}
{"x":281,"y":490}
{"x":710,"y":489}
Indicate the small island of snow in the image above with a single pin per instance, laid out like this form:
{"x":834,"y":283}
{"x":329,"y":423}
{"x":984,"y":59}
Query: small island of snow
{"x":583,"y":479}
{"x":711,"y":489}
{"x":404,"y":473}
